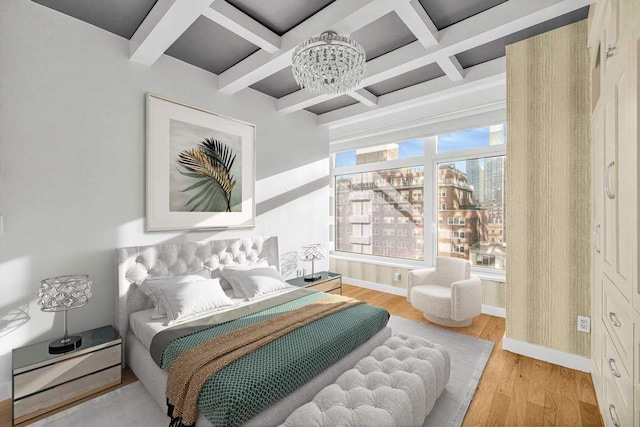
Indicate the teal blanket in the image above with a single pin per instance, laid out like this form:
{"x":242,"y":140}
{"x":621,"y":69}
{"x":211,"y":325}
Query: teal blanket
{"x":249,"y":385}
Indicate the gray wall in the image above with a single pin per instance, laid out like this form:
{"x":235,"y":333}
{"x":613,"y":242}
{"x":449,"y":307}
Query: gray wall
{"x":72,"y":132}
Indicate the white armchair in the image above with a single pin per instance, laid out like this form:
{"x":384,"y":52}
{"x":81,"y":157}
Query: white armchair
{"x":448,"y":295}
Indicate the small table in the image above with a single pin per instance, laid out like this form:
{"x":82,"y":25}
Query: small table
{"x":330,"y":283}
{"x":43,"y":381}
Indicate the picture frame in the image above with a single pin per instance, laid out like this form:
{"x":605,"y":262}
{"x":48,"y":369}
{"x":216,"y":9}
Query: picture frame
{"x":200,"y":168}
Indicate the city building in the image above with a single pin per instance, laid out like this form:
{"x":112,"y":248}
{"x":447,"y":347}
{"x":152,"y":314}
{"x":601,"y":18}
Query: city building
{"x":381,"y":212}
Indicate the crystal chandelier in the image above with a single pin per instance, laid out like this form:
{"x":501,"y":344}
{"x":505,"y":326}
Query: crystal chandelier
{"x":328,"y":64}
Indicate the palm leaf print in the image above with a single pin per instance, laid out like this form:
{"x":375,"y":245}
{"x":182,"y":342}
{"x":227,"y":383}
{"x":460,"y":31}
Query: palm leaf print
{"x":210,"y":165}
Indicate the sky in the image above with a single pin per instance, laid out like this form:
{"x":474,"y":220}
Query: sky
{"x":462,"y":140}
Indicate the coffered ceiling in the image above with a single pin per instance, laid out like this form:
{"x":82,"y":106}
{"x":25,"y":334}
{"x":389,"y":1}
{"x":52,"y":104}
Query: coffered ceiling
{"x":417,"y":50}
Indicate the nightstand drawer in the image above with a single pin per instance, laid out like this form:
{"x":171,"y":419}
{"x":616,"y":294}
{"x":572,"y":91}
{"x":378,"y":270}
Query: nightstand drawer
{"x":57,"y":373}
{"x":327,"y":286}
{"x":37,"y":404}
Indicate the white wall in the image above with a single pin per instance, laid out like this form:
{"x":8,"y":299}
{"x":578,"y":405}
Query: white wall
{"x":72,"y":132}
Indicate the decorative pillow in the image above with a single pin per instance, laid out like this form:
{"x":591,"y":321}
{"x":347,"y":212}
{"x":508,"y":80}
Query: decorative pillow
{"x":149,"y":285}
{"x":227,"y":283}
{"x":191,"y":299}
{"x":256,"y":282}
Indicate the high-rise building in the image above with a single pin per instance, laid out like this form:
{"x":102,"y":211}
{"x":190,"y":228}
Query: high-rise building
{"x":494,"y":168}
{"x":475,"y":177}
{"x":461,"y":223}
{"x":381,"y":212}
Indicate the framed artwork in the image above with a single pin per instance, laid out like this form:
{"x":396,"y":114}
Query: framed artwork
{"x":200,"y":168}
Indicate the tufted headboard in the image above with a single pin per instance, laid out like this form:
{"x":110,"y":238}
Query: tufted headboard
{"x":139,"y":263}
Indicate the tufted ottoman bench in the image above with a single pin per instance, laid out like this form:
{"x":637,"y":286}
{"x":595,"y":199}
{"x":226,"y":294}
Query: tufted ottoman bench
{"x":396,"y":385}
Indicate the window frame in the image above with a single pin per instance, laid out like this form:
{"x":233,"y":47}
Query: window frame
{"x":429,"y":161}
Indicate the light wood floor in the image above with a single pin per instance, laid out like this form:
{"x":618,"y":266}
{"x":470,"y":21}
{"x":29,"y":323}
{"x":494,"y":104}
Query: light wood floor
{"x":514,"y":390}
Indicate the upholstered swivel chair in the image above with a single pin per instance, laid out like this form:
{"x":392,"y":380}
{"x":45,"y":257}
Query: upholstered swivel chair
{"x":448,"y":295}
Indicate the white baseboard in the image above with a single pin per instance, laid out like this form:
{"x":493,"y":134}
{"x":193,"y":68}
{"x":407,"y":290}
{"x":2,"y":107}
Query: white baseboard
{"x":486,"y":309}
{"x":557,"y":357}
{"x":493,"y":310}
{"x":5,"y":390}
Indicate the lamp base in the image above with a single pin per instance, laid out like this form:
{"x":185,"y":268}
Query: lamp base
{"x":312,"y":278}
{"x":62,"y":346}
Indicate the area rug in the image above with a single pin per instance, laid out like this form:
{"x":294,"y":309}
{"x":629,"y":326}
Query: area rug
{"x":469,"y":356}
{"x":132,"y":406}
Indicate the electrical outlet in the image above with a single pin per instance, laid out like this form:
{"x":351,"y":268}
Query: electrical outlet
{"x":396,"y":277}
{"x":298,"y":273}
{"x":584,"y":324}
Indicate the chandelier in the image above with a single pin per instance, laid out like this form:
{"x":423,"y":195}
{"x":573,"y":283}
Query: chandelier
{"x":328,"y":64}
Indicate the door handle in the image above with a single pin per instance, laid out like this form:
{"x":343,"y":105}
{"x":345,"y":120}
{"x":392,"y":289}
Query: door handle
{"x":607,"y":172}
{"x":612,"y":368}
{"x":613,"y":415}
{"x":610,"y":51}
{"x":596,"y":238}
{"x":614,"y":319}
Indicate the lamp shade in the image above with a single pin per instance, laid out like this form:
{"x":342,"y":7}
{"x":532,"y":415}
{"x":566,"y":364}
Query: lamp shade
{"x":64,"y":292}
{"x":312,"y":252}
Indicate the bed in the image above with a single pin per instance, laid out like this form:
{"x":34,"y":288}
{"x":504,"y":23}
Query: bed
{"x":134,"y":323}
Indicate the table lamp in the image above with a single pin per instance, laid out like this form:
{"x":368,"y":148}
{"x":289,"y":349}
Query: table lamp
{"x":64,"y":293}
{"x":312,"y":253}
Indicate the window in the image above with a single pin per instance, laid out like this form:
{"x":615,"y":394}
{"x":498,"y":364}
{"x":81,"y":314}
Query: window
{"x":399,"y":218}
{"x":458,"y":249}
{"x":454,"y":180}
{"x":458,"y":220}
{"x":380,"y":153}
{"x":476,"y":217}
{"x":472,"y":138}
{"x":456,"y":235}
{"x":485,"y":260}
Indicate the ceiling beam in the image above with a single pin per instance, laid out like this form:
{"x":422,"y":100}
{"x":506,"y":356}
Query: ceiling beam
{"x":342,"y":16}
{"x":452,"y":68}
{"x":222,"y":13}
{"x":492,"y":24}
{"x":166,"y":21}
{"x":418,"y":21}
{"x":364,"y":96}
{"x":487,"y":74}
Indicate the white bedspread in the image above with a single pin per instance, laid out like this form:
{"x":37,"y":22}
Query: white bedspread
{"x":145,"y":328}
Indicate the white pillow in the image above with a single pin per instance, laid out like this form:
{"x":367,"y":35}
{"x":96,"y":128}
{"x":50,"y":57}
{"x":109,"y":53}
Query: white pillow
{"x":149,"y":285}
{"x":227,"y":270}
{"x":257,"y":281}
{"x":191,"y":299}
